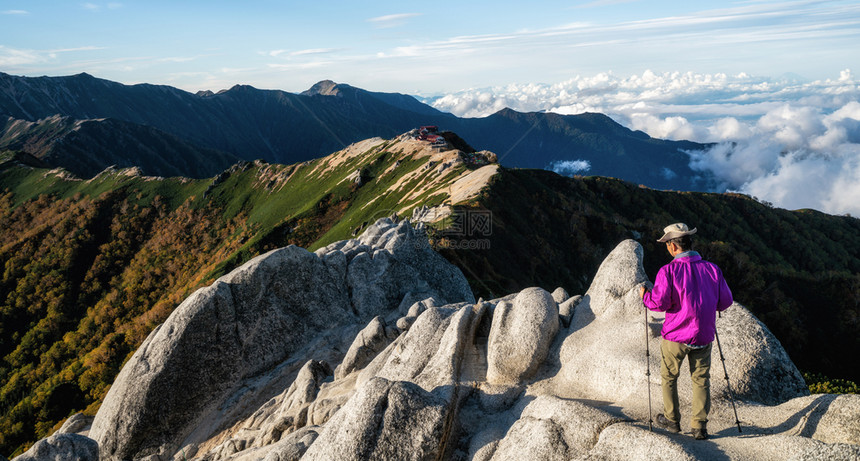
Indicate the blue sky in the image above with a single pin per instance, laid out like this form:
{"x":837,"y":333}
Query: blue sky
{"x":421,"y":47}
{"x":771,"y":83}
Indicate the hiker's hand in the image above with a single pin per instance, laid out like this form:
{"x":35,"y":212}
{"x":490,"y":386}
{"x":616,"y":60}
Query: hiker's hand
{"x":642,"y":291}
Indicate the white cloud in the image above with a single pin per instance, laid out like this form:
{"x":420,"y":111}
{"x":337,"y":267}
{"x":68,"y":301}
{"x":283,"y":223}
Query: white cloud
{"x":98,"y":7}
{"x":11,"y":57}
{"x":601,"y":3}
{"x":674,"y":127}
{"x":794,"y":157}
{"x":793,"y":143}
{"x":301,"y":65}
{"x":177,"y":59}
{"x":392,"y":20}
{"x":306,"y":52}
{"x":569,"y":167}
{"x":312,"y":51}
{"x":802,"y":180}
{"x":80,"y":48}
{"x":668,"y":174}
{"x":17,"y":12}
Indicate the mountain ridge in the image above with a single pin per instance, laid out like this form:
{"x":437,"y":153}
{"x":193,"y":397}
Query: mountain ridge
{"x":284,"y":127}
{"x":79,"y":147}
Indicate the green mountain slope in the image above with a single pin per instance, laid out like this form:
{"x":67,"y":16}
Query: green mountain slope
{"x":91,"y":267}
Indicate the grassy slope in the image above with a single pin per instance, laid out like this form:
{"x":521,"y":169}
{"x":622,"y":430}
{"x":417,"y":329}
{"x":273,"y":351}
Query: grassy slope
{"x":92,"y":266}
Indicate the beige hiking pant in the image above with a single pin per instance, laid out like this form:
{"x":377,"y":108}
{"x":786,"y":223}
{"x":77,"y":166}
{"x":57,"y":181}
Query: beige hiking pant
{"x":700,"y":373}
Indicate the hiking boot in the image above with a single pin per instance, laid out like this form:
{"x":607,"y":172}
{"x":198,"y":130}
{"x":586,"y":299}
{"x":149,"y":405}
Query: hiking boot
{"x":700,"y":434}
{"x":670,"y":426}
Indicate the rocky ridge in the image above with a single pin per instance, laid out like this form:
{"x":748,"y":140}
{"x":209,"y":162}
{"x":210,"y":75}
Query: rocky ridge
{"x":374,"y":348}
{"x":85,"y":147}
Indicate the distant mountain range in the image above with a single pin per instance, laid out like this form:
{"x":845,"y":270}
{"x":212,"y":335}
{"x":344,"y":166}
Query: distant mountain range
{"x":86,"y":147}
{"x":194,"y":134}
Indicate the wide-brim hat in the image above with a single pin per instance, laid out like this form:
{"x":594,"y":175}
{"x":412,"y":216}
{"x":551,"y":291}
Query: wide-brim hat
{"x":673,"y":231}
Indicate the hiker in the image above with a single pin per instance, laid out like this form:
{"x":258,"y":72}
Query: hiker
{"x":690,"y":291}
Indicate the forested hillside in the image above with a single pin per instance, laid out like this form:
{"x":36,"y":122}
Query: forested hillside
{"x":798,"y":271}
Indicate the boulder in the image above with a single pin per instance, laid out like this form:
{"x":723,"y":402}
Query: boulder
{"x":304,"y":389}
{"x":391,"y":420}
{"x":322,"y":409}
{"x":550,"y":428}
{"x":248,"y":323}
{"x":603,"y":356}
{"x":294,"y":446}
{"x":405,"y":322}
{"x":559,"y":295}
{"x":759,"y":368}
{"x":76,"y":423}
{"x":226,"y":332}
{"x":430,"y":354}
{"x":619,"y":272}
{"x":484,"y":444}
{"x":369,"y":342}
{"x":565,"y":310}
{"x":407,"y":356}
{"x":629,"y":441}
{"x":520,"y":336}
{"x":290,"y":448}
{"x":376,"y":278}
{"x":451,"y":364}
{"x":62,"y":447}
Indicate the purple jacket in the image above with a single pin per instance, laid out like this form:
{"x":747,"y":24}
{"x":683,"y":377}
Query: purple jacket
{"x":690,"y":291}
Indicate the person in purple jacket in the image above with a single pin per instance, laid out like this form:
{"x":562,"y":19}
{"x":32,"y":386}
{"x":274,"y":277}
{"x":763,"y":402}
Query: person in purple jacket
{"x":690,"y":291}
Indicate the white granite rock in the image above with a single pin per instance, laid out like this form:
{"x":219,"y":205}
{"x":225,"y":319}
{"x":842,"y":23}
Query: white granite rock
{"x":604,"y":354}
{"x":559,"y":295}
{"x":391,"y":420}
{"x":369,"y":342}
{"x":467,"y":381}
{"x":520,"y":336}
{"x":62,"y":447}
{"x":76,"y":424}
{"x":551,"y":428}
{"x":249,"y":323}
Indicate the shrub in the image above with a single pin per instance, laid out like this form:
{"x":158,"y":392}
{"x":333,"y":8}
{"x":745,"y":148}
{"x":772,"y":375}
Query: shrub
{"x":820,"y":384}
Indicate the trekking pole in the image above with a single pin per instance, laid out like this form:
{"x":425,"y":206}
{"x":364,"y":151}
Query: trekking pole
{"x":648,"y":370}
{"x":728,"y":385}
